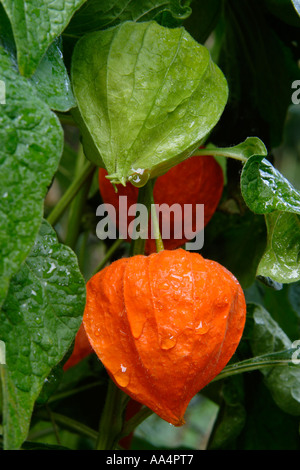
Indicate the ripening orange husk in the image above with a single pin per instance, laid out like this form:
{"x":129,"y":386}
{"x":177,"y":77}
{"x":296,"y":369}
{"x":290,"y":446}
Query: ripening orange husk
{"x":164,"y":326}
{"x":205,"y":185}
{"x":82,"y":349}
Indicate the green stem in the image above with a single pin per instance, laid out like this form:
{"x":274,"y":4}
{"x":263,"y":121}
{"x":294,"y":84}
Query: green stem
{"x":138,"y":245}
{"x":74,"y":391}
{"x":78,"y":203}
{"x":69,"y":195}
{"x":108,"y":255}
{"x":154,"y":218}
{"x":69,"y":423}
{"x":146,"y":198}
{"x":111,"y":421}
{"x":281,"y":358}
{"x":54,"y":426}
{"x":135,"y":421}
{"x":34,"y":436}
{"x":219,"y":153}
{"x":82,"y":250}
{"x":74,"y":36}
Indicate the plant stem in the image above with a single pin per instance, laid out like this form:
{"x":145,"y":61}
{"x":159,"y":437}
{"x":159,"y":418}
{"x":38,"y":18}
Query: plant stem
{"x":111,"y":421}
{"x":69,"y":423}
{"x":108,"y":255}
{"x":71,"y":192}
{"x":138,"y":245}
{"x":82,"y":250}
{"x":154,"y":218}
{"x":74,"y":391}
{"x":135,"y":421}
{"x":146,"y":198}
{"x":78,"y":203}
{"x":54,"y":426}
{"x":281,"y":358}
{"x":34,"y":436}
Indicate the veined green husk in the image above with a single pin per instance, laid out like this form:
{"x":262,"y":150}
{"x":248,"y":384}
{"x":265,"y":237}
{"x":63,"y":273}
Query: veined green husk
{"x":148,"y":96}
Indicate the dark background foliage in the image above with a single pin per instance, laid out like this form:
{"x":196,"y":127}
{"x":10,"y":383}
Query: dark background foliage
{"x":257,"y":46}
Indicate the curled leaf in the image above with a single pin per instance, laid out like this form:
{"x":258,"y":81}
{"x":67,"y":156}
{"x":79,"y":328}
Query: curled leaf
{"x":266,"y":190}
{"x":281,"y":260}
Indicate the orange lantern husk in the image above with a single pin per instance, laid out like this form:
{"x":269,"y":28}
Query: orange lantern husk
{"x":164,"y":326}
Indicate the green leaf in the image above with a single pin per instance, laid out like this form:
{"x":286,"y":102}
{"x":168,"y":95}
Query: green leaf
{"x":6,"y":34}
{"x":203,"y":19}
{"x":257,"y":60}
{"x":281,"y":260}
{"x":266,"y":190}
{"x":267,"y":281}
{"x":39,"y":319}
{"x":294,"y":297}
{"x":101,"y":14}
{"x":268,"y":337}
{"x":35,"y":25}
{"x":52,"y":82}
{"x":284,"y":10}
{"x":266,"y":427}
{"x":90,"y":150}
{"x":296,"y":4}
{"x":230,"y":238}
{"x":41,"y":446}
{"x":232,"y":415}
{"x":31,"y":145}
{"x":284,"y":307}
{"x":51,"y":383}
{"x":149,"y":97}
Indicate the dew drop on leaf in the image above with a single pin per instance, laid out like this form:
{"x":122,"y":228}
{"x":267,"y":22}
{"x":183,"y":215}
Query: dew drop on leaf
{"x":139,"y":178}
